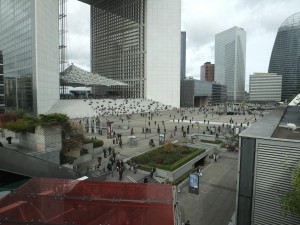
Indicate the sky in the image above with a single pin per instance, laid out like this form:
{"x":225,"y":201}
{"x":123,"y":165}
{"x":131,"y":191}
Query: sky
{"x":202,"y":20}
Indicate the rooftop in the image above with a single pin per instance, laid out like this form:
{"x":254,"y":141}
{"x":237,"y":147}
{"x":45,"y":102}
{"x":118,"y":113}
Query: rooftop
{"x":75,"y":76}
{"x":274,"y":125}
{"x":292,"y":21}
{"x":57,"y":201}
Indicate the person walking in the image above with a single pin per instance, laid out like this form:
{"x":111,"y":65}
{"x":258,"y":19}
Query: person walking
{"x":120,"y":143}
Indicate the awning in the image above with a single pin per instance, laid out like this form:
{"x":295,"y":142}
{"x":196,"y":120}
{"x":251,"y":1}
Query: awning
{"x":74,"y":76}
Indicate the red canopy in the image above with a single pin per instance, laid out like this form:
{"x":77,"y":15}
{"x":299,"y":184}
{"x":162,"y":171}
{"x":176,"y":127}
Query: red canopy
{"x":56,"y":201}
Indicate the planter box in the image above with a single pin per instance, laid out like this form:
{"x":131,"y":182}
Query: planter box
{"x":173,"y":175}
{"x":44,"y":139}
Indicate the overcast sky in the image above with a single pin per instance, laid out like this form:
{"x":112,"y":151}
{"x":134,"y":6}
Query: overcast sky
{"x":201,"y":19}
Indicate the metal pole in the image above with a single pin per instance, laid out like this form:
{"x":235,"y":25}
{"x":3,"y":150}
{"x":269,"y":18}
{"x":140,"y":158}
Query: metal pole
{"x":145,"y":126}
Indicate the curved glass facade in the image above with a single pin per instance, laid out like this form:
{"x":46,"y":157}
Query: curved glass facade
{"x":285,"y":58}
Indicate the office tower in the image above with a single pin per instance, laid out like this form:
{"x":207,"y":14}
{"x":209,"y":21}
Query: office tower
{"x":196,"y":93}
{"x":265,"y":87}
{"x":285,"y":57}
{"x":183,"y":56}
{"x":138,"y":42}
{"x":2,"y":105}
{"x":29,"y":44}
{"x":207,"y":72}
{"x":230,"y":61}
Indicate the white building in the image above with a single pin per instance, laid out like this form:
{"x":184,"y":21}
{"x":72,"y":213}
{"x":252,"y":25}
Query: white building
{"x":230,"y":61}
{"x":138,"y":42}
{"x":29,"y":43}
{"x":265,"y":87}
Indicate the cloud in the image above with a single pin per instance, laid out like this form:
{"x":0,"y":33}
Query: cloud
{"x":78,"y":46}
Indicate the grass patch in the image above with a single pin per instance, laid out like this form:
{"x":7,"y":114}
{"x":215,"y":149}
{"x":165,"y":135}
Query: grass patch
{"x":168,"y":157}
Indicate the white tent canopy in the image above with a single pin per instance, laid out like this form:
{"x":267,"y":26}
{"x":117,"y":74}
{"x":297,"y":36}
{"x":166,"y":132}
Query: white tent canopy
{"x":74,"y":76}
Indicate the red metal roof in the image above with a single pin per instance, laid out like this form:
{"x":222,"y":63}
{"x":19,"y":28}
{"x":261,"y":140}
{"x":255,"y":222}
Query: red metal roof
{"x":56,"y":201}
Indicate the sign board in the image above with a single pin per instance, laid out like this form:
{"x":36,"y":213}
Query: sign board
{"x":194,"y":183}
{"x":161,"y":138}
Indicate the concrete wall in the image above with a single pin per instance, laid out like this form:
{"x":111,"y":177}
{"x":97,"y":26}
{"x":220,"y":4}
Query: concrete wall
{"x":171,"y":176}
{"x":44,"y":139}
{"x":163,"y":34}
{"x":53,"y":156}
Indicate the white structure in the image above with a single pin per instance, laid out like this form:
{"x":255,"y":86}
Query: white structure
{"x":296,"y":100}
{"x":230,"y":61}
{"x":137,"y":42}
{"x":163,"y":39}
{"x":265,"y":87}
{"x":29,"y":43}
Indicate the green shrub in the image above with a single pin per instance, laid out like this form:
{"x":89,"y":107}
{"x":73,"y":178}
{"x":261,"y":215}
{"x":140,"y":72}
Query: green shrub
{"x":170,"y":161}
{"x":97,"y":143}
{"x":87,"y":141}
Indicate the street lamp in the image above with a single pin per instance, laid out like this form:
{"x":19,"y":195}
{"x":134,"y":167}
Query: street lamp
{"x":198,"y":126}
{"x":145,"y":125}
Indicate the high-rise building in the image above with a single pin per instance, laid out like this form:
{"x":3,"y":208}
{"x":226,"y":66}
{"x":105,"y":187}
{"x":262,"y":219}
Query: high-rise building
{"x":2,"y":105}
{"x":29,"y":44}
{"x":285,"y":58}
{"x":183,"y":56}
{"x":207,"y":72}
{"x":230,"y":61}
{"x":265,"y":87}
{"x":138,"y":42}
{"x":196,"y":93}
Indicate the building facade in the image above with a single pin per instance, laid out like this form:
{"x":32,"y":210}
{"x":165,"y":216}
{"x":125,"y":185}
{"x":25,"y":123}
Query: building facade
{"x":268,"y":150}
{"x":29,"y":44}
{"x":183,"y":56}
{"x":138,"y":42}
{"x":285,"y":57}
{"x":196,"y":93}
{"x":230,"y":61}
{"x":265,"y":87}
{"x":2,"y":102}
{"x":207,"y":72}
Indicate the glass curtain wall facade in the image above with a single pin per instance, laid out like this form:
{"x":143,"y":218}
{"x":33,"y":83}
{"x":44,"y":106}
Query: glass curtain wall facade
{"x":183,"y":56}
{"x":16,"y":45}
{"x":265,"y":87}
{"x":285,"y":57}
{"x":29,"y":43}
{"x":117,"y":45}
{"x":230,"y":59}
{"x":2,"y":104}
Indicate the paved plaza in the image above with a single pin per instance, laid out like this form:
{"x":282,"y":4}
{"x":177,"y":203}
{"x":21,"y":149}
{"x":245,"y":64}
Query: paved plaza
{"x":215,"y":203}
{"x":216,"y":200}
{"x":164,"y":120}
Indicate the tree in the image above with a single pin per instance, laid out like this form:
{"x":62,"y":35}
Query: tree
{"x":290,"y":201}
{"x":169,"y":147}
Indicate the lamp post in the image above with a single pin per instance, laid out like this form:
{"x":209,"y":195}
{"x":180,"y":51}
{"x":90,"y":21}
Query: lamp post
{"x":145,"y":125}
{"x":198,"y":126}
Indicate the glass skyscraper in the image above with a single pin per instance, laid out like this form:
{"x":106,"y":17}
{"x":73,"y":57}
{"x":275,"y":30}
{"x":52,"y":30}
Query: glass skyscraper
{"x":230,"y":62}
{"x":285,"y":58}
{"x":29,"y":44}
